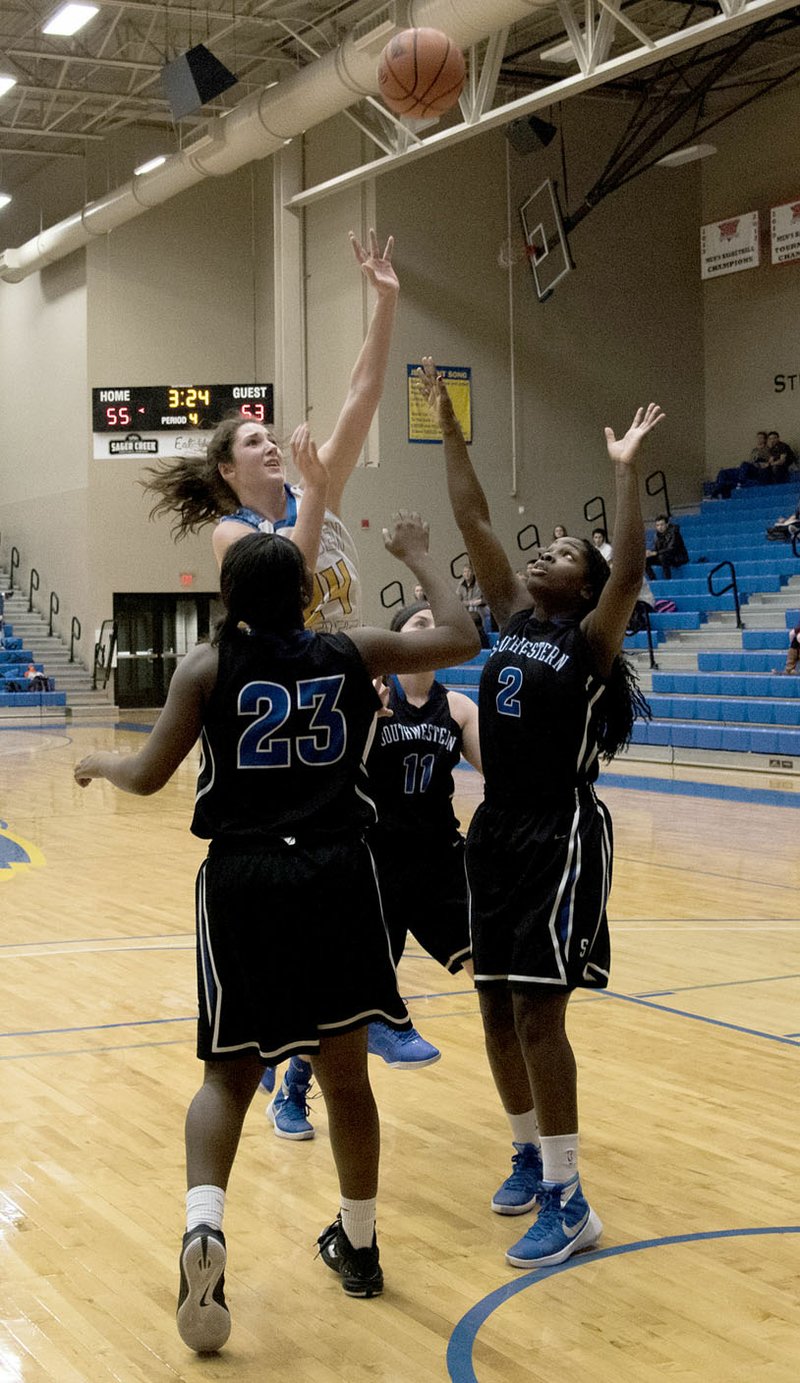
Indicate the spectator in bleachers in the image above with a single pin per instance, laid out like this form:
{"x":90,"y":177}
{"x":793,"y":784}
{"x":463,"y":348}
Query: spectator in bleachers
{"x":784,"y":529}
{"x":559,"y":532}
{"x":600,"y":540}
{"x":793,"y":651}
{"x":471,"y":595}
{"x":780,"y":461}
{"x":668,"y":550}
{"x":746,"y":474}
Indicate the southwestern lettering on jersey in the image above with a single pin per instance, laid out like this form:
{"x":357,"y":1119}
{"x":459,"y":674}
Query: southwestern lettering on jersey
{"x":542,"y":651}
{"x":436,"y":734}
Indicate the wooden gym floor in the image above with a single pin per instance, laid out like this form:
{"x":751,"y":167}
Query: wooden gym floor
{"x":689,"y":1077}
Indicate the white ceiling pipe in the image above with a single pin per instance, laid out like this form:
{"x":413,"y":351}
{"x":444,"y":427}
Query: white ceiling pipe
{"x":261,"y":124}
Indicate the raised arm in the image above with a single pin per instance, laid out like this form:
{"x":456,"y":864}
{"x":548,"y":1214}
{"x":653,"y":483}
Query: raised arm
{"x":342,"y":450}
{"x":307,"y":532}
{"x":454,"y":638}
{"x":501,"y":589}
{"x":173,"y":735}
{"x":605,"y":625}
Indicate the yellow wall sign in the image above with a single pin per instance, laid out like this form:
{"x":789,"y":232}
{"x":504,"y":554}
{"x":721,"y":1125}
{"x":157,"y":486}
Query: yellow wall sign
{"x":421,"y":424}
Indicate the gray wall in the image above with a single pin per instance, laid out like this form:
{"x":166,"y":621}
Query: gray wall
{"x":750,"y":319}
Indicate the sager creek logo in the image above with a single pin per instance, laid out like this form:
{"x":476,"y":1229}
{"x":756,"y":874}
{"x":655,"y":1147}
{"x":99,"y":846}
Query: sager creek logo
{"x":16,"y":853}
{"x":133,"y":445}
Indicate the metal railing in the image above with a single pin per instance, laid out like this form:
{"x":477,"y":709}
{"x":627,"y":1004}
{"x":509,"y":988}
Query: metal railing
{"x":13,"y":565}
{"x":55,"y":606}
{"x":731,"y":586}
{"x":656,"y":484}
{"x":104,"y":651}
{"x":33,"y":585}
{"x":399,"y":598}
{"x":649,"y":631}
{"x":599,"y":513}
{"x":459,"y":560}
{"x":534,"y":542}
{"x":74,"y":633}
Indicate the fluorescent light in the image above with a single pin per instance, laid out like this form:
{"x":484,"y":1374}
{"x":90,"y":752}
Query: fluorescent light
{"x":686,"y":155}
{"x":69,"y":19}
{"x":562,"y":52}
{"x":151,"y":164}
{"x":4,"y":200}
{"x":6,"y":84}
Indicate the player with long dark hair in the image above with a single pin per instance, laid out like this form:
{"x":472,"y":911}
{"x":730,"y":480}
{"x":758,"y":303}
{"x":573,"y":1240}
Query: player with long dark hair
{"x":555,"y":695}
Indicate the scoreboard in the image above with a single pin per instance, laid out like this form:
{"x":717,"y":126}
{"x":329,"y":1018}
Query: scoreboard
{"x":153,"y":420}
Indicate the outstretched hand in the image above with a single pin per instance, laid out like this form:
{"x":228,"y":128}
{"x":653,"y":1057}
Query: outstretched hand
{"x":376,"y":265}
{"x":436,"y":395}
{"x":304,"y":455}
{"x":407,"y":537}
{"x":624,"y":451}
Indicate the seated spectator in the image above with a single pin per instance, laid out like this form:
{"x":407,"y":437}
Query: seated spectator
{"x":645,"y":604}
{"x":471,"y":595}
{"x":745,"y":474}
{"x":600,"y":540}
{"x":780,"y":461}
{"x":559,"y":531}
{"x":668,"y":551}
{"x":793,"y":651}
{"x":783,"y":530}
{"x":419,"y":593}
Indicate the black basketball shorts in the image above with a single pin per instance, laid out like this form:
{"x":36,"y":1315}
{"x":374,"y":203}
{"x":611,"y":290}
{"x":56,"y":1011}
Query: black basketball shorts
{"x":423,"y":885}
{"x":291,"y":949}
{"x":539,"y":883}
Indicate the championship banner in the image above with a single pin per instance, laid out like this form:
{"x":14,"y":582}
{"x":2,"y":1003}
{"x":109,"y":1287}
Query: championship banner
{"x":728,"y":247}
{"x":458,"y":383}
{"x":785,"y":226}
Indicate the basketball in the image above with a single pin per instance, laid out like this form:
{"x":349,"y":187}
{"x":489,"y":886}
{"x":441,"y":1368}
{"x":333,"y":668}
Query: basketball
{"x":420,"y":73}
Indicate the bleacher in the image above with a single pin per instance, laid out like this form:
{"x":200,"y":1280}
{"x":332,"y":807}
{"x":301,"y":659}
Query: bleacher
{"x":14,"y":663}
{"x":731,"y":701}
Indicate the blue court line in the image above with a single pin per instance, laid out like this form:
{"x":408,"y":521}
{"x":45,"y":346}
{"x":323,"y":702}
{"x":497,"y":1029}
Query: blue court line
{"x":81,"y":940}
{"x":459,"y":1349}
{"x":98,"y":1027}
{"x":90,"y":1051}
{"x":767,"y":797}
{"x":718,"y":984}
{"x":698,"y":1017}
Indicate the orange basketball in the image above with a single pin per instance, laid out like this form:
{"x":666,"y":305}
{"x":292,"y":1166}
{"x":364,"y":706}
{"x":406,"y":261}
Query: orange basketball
{"x":420,"y":73}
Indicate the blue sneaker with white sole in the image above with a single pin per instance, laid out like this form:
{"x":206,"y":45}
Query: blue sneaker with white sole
{"x":288,"y":1111}
{"x":519,"y":1192}
{"x":405,"y":1051}
{"x":565,"y":1224}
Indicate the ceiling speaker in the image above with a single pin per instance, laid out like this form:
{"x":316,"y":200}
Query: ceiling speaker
{"x":193,"y":79}
{"x":530,"y":133}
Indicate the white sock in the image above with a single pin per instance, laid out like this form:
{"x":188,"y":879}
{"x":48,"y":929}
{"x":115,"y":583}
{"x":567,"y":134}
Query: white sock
{"x":358,"y":1221}
{"x":524,"y":1127}
{"x":560,"y":1157}
{"x":205,"y":1205}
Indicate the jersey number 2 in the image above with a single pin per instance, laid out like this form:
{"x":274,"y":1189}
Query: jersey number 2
{"x":262,"y":746}
{"x":510,"y":680}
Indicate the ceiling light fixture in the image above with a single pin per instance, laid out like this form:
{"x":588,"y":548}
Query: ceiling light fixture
{"x":68,"y":19}
{"x":6,"y":84}
{"x":688,"y":154}
{"x":151,"y":164}
{"x":562,"y":52}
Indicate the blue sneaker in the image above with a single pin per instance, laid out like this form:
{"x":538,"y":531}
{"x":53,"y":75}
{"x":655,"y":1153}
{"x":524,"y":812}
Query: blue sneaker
{"x":204,"y":1321}
{"x":565,"y":1224}
{"x":288,"y":1111}
{"x":520,"y":1191}
{"x":404,"y":1051}
{"x":268,"y":1079}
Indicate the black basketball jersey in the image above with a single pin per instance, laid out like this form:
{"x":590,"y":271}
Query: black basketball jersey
{"x":284,"y":736}
{"x":411,"y":762}
{"x":538,"y":705}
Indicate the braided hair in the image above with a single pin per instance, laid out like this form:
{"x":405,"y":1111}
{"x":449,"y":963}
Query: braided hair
{"x":623,"y":701}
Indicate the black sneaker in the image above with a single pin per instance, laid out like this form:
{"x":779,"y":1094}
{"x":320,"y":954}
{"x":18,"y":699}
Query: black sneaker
{"x":359,"y":1269}
{"x":204,"y":1321}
